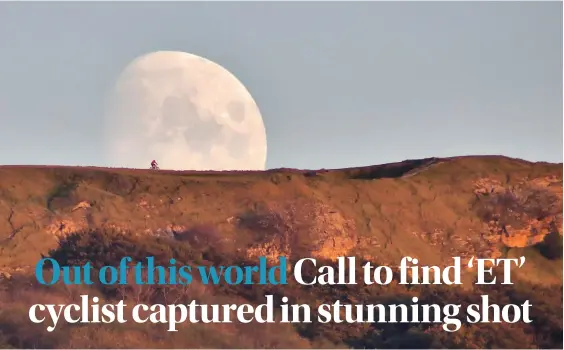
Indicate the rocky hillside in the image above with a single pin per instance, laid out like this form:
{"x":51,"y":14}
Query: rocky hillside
{"x":431,"y":209}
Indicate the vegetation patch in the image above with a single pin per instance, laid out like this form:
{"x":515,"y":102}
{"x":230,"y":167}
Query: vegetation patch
{"x":108,"y":247}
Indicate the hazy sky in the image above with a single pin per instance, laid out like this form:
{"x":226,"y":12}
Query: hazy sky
{"x":338,"y":84}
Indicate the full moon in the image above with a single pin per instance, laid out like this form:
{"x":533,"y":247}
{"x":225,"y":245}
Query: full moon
{"x":185,"y":112}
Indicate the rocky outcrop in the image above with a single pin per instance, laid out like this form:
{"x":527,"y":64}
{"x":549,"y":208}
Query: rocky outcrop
{"x":302,"y":229}
{"x":482,"y":245}
{"x":81,"y":205}
{"x":523,"y":214}
{"x":334,"y":235}
{"x":61,"y":227}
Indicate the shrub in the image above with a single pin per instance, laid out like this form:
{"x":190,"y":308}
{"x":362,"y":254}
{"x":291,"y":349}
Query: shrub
{"x":201,"y":235}
{"x":511,"y":206}
{"x":551,"y":246}
{"x":107,"y":247}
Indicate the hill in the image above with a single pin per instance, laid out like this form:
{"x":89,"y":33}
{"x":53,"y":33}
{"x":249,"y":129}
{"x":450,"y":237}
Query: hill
{"x":432,"y":209}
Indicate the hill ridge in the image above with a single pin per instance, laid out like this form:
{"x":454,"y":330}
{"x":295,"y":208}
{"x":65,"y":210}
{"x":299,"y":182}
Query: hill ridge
{"x":429,"y":207}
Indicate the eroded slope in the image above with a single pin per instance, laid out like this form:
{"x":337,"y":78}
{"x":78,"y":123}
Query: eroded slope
{"x":431,"y":209}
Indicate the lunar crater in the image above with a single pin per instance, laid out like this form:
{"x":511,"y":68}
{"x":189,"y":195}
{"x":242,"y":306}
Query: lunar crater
{"x":187,"y":113}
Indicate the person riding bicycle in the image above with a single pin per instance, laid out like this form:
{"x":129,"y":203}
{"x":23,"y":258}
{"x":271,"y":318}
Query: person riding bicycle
{"x":154,"y":164}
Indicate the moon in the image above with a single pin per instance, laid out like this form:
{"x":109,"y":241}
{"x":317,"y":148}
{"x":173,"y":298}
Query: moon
{"x":184,"y":111}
